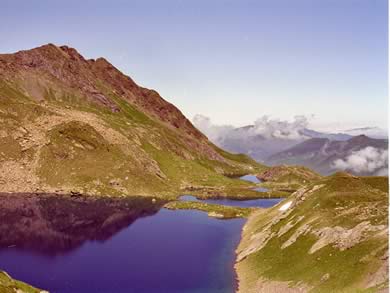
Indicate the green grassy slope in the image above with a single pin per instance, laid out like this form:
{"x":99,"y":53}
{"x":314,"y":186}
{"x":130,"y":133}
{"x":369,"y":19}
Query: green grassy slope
{"x":333,"y":238}
{"x":287,"y":177}
{"x":9,"y":285}
{"x":66,"y":144}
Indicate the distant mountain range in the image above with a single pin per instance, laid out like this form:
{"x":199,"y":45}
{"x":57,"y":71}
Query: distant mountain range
{"x":323,"y":152}
{"x":327,"y":156}
{"x":374,"y":132}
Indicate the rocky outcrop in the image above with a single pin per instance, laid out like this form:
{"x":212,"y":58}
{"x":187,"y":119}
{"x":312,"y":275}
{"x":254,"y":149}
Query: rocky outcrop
{"x":342,"y":238}
{"x":302,"y":230}
{"x":283,"y":230}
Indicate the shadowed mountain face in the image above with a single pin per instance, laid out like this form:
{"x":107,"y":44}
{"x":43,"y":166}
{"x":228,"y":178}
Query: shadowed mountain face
{"x":53,"y":224}
{"x":71,"y":124}
{"x":325,"y":156}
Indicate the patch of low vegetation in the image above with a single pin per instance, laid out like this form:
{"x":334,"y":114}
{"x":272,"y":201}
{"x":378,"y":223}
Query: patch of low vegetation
{"x":329,"y":236}
{"x":213,"y":210}
{"x":10,"y":285}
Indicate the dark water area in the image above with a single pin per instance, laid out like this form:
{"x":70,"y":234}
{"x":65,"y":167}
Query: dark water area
{"x":261,"y":202}
{"x":70,"y":245}
{"x":54,"y":224}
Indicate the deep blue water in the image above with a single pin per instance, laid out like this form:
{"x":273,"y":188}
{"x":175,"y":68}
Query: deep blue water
{"x":171,"y":251}
{"x":78,"y":245}
{"x":261,"y":202}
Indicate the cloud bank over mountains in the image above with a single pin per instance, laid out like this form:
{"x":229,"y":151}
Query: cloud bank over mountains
{"x":276,"y":128}
{"x":274,"y":141}
{"x":264,"y":126}
{"x":215,"y":133}
{"x":367,"y":160}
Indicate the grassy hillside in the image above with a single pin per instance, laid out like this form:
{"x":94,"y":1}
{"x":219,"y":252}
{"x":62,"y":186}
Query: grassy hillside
{"x":330,"y":236}
{"x":287,"y":178}
{"x":66,"y":143}
{"x":9,"y":285}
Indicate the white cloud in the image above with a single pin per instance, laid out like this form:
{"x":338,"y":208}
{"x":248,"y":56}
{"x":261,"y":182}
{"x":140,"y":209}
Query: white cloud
{"x":367,"y":160}
{"x":215,"y":133}
{"x":382,"y":172}
{"x":264,"y":126}
{"x":275,"y":128}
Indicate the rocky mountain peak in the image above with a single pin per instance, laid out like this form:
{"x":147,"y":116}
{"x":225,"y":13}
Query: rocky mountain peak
{"x":64,"y":70}
{"x":59,"y":72}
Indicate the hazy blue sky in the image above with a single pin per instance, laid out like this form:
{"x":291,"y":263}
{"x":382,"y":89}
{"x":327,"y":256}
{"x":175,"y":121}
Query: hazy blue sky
{"x":231,"y":60}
